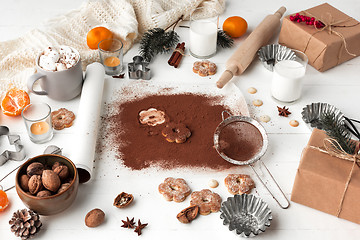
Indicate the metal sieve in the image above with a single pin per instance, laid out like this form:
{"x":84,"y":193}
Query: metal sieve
{"x":235,"y":119}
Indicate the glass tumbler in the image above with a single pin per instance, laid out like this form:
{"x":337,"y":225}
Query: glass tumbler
{"x":288,"y":75}
{"x":203,"y":34}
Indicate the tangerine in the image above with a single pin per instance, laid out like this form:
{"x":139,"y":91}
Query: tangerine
{"x":14,"y":102}
{"x":96,"y":35}
{"x":4,"y":201}
{"x":235,"y":26}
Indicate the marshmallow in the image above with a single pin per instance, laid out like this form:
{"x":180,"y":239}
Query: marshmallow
{"x":46,"y":63}
{"x":58,"y":60}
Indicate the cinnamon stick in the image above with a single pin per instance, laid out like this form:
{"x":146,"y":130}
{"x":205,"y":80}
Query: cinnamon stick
{"x":176,"y":56}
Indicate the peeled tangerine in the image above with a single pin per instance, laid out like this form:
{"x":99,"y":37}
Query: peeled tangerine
{"x":4,"y":201}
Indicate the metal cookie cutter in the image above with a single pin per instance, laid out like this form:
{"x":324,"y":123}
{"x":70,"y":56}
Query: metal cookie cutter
{"x":19,"y":154}
{"x":138,"y":69}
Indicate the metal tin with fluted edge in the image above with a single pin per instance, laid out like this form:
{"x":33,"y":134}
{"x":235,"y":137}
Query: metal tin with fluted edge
{"x":246,"y":214}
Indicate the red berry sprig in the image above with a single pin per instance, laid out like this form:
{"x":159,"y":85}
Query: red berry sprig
{"x":308,"y":20}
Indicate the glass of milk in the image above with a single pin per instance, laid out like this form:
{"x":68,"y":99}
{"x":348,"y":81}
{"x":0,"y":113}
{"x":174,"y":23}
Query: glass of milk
{"x":203,"y":33}
{"x":288,"y":78}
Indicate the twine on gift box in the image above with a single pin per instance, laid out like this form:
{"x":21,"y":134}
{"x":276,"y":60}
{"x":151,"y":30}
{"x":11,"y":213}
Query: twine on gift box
{"x":333,"y":148}
{"x":330,"y":23}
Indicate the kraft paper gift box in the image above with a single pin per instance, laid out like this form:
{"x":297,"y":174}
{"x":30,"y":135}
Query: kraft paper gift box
{"x":321,"y":179}
{"x":337,"y":42}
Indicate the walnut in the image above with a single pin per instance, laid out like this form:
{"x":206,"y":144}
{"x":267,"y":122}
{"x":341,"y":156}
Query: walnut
{"x":94,"y":218}
{"x":44,"y":193}
{"x":63,"y":187}
{"x":51,"y":180}
{"x":123,"y":200}
{"x":35,"y":184}
{"x":24,"y":182}
{"x":35,"y":168}
{"x":188,"y":214}
{"x":62,"y":171}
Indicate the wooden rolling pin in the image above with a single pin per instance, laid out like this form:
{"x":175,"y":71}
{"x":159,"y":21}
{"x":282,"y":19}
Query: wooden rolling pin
{"x":244,"y":55}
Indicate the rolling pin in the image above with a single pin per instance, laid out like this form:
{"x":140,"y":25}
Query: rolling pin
{"x":244,"y":55}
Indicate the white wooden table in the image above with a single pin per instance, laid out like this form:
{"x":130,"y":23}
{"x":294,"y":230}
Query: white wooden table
{"x":339,"y":86}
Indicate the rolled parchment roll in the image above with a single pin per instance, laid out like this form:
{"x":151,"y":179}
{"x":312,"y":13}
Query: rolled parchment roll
{"x":88,"y":119}
{"x":244,"y":55}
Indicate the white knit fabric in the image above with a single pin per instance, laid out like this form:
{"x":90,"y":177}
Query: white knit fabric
{"x":127,"y":19}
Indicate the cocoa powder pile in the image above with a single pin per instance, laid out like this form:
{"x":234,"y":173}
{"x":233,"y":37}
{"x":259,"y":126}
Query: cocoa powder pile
{"x":141,"y":146}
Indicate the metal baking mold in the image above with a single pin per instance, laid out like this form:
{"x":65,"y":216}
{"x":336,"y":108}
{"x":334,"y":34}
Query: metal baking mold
{"x":19,"y":154}
{"x":246,"y":214}
{"x":270,"y":54}
{"x":138,"y":69}
{"x":312,"y":113}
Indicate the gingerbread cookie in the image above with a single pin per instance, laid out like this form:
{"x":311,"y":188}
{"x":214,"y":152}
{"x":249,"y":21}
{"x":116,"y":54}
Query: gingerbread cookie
{"x":152,"y":117}
{"x":174,"y":189}
{"x":62,"y":118}
{"x":207,"y":201}
{"x":239,"y":183}
{"x":204,"y":68}
{"x":176,"y":132}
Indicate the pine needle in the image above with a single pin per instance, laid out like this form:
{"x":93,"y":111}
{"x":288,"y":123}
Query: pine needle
{"x":156,"y":41}
{"x":337,"y":130}
{"x":224,"y":40}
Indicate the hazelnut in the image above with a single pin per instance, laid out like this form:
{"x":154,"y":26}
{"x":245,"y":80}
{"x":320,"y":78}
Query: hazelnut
{"x":62,"y":171}
{"x":35,"y":168}
{"x":43,"y":193}
{"x":56,"y":164}
{"x":94,"y":218}
{"x":63,"y":187}
{"x":51,"y":180}
{"x":24,"y":182}
{"x":35,"y":184}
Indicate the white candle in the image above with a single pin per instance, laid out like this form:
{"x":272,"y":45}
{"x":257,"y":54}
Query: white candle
{"x":287,"y":79}
{"x":203,"y":36}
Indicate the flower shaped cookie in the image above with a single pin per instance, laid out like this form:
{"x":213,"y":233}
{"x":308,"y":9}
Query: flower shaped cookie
{"x":207,"y":201}
{"x":239,"y":183}
{"x":152,"y":117}
{"x":174,"y":189}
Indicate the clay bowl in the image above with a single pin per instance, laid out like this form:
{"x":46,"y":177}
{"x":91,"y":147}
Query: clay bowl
{"x":55,"y":203}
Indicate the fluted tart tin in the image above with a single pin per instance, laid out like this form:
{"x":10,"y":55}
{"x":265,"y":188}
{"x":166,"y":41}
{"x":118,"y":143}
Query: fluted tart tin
{"x":312,"y":113}
{"x":270,"y":54}
{"x":246,"y":214}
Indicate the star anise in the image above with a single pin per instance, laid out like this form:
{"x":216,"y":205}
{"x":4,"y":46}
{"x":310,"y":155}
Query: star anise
{"x":128,"y":223}
{"x":139,"y":227}
{"x":284,"y":111}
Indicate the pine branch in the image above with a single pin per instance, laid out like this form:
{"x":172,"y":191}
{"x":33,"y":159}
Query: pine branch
{"x":224,"y":40}
{"x":158,"y":40}
{"x":335,"y":129}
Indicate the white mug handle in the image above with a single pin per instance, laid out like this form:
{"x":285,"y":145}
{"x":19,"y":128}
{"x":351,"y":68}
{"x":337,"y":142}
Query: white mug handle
{"x":31,"y":81}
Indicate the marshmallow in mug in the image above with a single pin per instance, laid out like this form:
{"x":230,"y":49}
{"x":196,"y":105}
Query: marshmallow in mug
{"x":53,"y":59}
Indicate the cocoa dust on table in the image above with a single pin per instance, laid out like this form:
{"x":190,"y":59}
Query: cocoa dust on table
{"x":141,"y":146}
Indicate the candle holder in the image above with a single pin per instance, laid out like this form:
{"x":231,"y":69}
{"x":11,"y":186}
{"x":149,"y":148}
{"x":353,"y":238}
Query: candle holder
{"x":111,"y":56}
{"x":37,"y":118}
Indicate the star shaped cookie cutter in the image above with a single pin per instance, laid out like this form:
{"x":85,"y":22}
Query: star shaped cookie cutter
{"x":19,"y":154}
{"x":138,"y":69}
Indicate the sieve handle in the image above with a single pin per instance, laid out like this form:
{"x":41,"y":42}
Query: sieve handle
{"x":283,"y":194}
{"x":223,"y":114}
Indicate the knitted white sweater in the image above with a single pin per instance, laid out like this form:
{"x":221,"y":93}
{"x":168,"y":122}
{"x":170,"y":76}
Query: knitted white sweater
{"x":127,"y":19}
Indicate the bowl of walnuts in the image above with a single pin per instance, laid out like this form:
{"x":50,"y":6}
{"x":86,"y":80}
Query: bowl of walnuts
{"x":47,"y":183}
